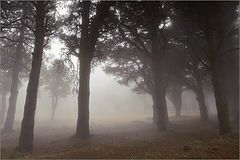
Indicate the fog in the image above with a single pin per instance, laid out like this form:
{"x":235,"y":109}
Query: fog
{"x":110,"y":103}
{"x":114,"y":79}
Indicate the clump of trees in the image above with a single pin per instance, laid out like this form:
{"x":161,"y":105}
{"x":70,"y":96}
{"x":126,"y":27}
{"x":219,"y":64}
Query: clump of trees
{"x":161,"y":47}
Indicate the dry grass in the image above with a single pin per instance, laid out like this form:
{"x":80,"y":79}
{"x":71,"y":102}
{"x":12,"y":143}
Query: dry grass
{"x":185,"y":138}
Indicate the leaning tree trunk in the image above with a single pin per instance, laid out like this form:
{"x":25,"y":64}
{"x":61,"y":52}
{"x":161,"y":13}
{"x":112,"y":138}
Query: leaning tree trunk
{"x":158,"y":96}
{"x":221,"y":104}
{"x":83,"y":97}
{"x":8,"y":126}
{"x":201,"y":101}
{"x":27,"y":128}
{"x":4,"y":106}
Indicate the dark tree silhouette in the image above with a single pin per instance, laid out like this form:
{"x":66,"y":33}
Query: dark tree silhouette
{"x":174,"y":94}
{"x":8,"y":126}
{"x":82,"y":44}
{"x":16,"y":40}
{"x":215,"y":22}
{"x":44,"y":25}
{"x":144,"y":26}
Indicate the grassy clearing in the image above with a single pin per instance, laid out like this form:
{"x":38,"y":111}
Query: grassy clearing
{"x":185,"y":138}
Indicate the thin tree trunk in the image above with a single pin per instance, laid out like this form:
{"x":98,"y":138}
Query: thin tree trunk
{"x":222,"y":108}
{"x":1,"y":111}
{"x":8,"y":126}
{"x":164,"y":101}
{"x":27,"y":128}
{"x":54,"y":106}
{"x":83,"y":98}
{"x":4,"y":106}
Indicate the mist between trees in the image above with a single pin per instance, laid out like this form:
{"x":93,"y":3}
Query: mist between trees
{"x":117,"y":59}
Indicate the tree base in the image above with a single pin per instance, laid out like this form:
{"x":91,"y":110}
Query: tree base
{"x":26,"y":149}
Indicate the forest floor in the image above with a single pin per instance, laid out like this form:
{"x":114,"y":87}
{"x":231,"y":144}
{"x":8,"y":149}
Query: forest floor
{"x":187,"y":137}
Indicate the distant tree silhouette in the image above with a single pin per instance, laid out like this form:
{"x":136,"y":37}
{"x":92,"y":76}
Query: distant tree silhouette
{"x":56,"y":80}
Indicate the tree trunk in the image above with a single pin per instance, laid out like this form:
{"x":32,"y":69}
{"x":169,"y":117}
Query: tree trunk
{"x":178,"y":110}
{"x":4,"y":107}
{"x":202,"y":107}
{"x":154,"y":114}
{"x":158,"y":96}
{"x":177,"y":99}
{"x":54,"y":106}
{"x":1,"y":111}
{"x":201,"y":101}
{"x":83,"y":98}
{"x":8,"y":126}
{"x":27,"y":128}
{"x":221,"y":104}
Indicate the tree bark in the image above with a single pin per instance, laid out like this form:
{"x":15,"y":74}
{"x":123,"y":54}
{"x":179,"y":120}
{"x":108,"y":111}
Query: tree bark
{"x":27,"y":127}
{"x":8,"y":126}
{"x":83,"y":98}
{"x":222,"y":108}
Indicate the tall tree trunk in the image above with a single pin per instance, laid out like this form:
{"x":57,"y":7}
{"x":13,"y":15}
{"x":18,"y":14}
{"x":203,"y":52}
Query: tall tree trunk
{"x":4,"y":106}
{"x":27,"y":128}
{"x":159,"y":100}
{"x":221,"y":104}
{"x":8,"y":126}
{"x":83,"y":97}
{"x":201,"y":100}
{"x":89,"y":35}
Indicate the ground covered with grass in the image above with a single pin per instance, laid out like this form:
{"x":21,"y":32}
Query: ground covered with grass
{"x":186,"y":137}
